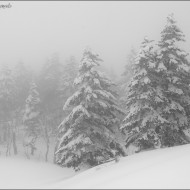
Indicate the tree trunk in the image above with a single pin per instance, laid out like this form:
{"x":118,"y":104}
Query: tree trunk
{"x":47,"y":144}
{"x":8,"y":137}
{"x":32,"y":143}
{"x":4,"y":134}
{"x":14,"y":143}
{"x":26,"y":153}
{"x":32,"y":150}
{"x":55,"y":149}
{"x":47,"y":151}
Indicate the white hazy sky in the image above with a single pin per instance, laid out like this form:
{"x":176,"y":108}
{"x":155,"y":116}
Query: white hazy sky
{"x":31,"y":31}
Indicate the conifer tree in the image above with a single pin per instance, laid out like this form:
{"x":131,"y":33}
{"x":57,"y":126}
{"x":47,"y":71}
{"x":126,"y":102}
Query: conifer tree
{"x":174,"y":69}
{"x":127,"y":75}
{"x":22,"y":78}
{"x":7,"y":93}
{"x":87,"y":135}
{"x":48,"y":83}
{"x":8,"y":108}
{"x":128,"y":72}
{"x":70,"y":70}
{"x":31,"y":117}
{"x":143,"y":114}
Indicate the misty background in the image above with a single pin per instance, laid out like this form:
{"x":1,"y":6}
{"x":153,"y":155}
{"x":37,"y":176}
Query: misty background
{"x":52,"y":109}
{"x":32,"y":31}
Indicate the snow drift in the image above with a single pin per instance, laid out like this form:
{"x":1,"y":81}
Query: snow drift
{"x":17,"y":173}
{"x":163,"y":168}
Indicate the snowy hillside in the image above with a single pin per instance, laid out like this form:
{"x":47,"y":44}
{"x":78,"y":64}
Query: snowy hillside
{"x":166,"y":168}
{"x":20,"y":173}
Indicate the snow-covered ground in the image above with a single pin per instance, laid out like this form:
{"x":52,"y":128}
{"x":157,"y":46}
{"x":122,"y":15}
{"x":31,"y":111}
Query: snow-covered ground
{"x":166,"y":168}
{"x":17,"y":173}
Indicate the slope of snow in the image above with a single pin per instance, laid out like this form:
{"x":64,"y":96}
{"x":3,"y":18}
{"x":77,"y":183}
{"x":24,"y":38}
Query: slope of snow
{"x":166,"y":168}
{"x":17,"y":173}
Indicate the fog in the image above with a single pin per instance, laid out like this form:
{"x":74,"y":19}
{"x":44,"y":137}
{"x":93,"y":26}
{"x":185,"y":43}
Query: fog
{"x":32,"y":31}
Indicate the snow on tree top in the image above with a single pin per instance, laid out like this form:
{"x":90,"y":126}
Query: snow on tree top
{"x":170,"y":18}
{"x":87,"y":62}
{"x":146,"y":38}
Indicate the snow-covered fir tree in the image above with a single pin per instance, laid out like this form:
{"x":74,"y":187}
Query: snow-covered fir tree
{"x":174,"y":69}
{"x":128,"y":72}
{"x":31,"y":117}
{"x":87,"y":136}
{"x":127,"y":75}
{"x":7,"y":92}
{"x":48,"y":85}
{"x":48,"y":82}
{"x":142,"y":102}
{"x":8,"y":107}
{"x":70,"y":71}
{"x":22,"y":78}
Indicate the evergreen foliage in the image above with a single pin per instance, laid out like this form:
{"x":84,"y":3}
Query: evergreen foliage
{"x":143,"y":114}
{"x":126,"y":77}
{"x":87,"y":133}
{"x":70,"y":70}
{"x":7,"y":93}
{"x":159,"y":96}
{"x":174,"y":69}
{"x":31,"y":118}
